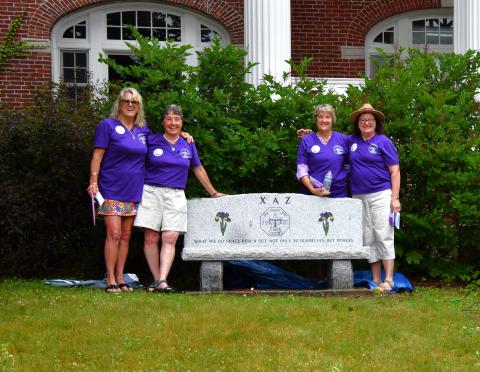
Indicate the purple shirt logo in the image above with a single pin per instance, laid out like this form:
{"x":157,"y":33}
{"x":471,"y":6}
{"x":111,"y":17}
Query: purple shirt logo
{"x":142,"y":138}
{"x":184,"y":153}
{"x":353,"y":147}
{"x":337,"y":149}
{"x":158,"y":152}
{"x":315,"y":149}
{"x":373,"y":149}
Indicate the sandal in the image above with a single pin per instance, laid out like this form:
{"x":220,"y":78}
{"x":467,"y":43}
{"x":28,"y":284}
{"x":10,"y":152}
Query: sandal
{"x":153,"y":286}
{"x":112,"y":288}
{"x":124,"y":287}
{"x":385,"y":287}
{"x":166,"y":289}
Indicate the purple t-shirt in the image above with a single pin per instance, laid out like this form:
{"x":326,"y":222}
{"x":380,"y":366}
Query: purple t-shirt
{"x":167,"y":165}
{"x":321,"y":158}
{"x":369,"y":162}
{"x":122,"y":169}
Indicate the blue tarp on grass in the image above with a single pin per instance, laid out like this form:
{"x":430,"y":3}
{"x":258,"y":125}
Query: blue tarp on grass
{"x":240,"y":274}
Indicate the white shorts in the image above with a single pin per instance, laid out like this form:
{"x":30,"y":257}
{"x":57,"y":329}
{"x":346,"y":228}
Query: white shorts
{"x":378,"y":234}
{"x":162,"y":209}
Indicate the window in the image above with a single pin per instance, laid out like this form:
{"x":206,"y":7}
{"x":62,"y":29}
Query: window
{"x":75,"y":53}
{"x":78,"y":31}
{"x":430,"y":30}
{"x":162,"y":26}
{"x":385,"y":37}
{"x":75,"y":71}
{"x":207,"y":34}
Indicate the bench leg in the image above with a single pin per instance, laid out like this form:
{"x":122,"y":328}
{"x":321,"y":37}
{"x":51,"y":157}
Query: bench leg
{"x":211,"y":276}
{"x":340,"y":274}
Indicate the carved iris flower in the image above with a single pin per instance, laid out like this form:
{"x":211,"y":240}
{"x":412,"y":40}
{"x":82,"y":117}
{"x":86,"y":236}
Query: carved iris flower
{"x":223,"y":217}
{"x":325,"y":217}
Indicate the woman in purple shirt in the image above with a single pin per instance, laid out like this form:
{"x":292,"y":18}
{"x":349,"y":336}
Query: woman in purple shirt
{"x":375,"y":180}
{"x":117,"y":172}
{"x":163,"y":211}
{"x":321,"y":152}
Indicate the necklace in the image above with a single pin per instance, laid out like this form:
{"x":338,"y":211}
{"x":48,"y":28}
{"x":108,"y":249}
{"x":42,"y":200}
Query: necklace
{"x":132,"y":133}
{"x":126,"y":126}
{"x":171,"y":143}
{"x":324,"y":140}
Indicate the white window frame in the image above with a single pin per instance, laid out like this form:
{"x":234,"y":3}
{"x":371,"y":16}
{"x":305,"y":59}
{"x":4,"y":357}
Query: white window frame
{"x":96,"y":18}
{"x":402,"y":26}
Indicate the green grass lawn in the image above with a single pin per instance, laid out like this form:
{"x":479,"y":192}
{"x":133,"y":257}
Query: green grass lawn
{"x":44,"y":328}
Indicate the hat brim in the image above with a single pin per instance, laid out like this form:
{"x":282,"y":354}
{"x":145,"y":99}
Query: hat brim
{"x":378,"y":115}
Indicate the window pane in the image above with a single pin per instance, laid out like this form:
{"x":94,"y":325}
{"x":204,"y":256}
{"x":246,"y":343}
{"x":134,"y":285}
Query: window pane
{"x":113,"y":19}
{"x":446,"y":39}
{"x":81,"y":59}
{"x":432,"y":38}
{"x":432,"y":24}
{"x":68,"y":34}
{"x":126,"y":34}
{"x":388,"y":37}
{"x":175,"y":35}
{"x":144,"y":32}
{"x":418,"y":25}
{"x":158,"y":19}
{"x":68,"y":75}
{"x":160,"y":34}
{"x":446,"y":25}
{"x":80,"y":32}
{"x":113,"y":33}
{"x":143,"y":19}
{"x":173,"y":21}
{"x":389,"y":29}
{"x":82,"y":23}
{"x":128,"y":18}
{"x":418,"y":37}
{"x":123,"y":60}
{"x":68,"y":59}
{"x":81,"y":75}
{"x":205,"y":35}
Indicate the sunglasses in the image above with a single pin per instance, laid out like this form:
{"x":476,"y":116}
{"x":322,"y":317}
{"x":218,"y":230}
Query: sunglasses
{"x":130,"y":102}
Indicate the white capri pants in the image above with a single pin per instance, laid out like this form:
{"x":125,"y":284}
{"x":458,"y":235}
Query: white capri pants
{"x":377,"y":232}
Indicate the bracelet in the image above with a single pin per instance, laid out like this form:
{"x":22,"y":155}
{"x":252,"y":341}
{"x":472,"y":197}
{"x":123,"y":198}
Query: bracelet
{"x":93,"y":174}
{"x":93,"y":183}
{"x":395,"y":197}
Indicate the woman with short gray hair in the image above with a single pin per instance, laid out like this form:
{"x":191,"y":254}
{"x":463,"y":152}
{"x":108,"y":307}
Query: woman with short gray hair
{"x":163,"y":211}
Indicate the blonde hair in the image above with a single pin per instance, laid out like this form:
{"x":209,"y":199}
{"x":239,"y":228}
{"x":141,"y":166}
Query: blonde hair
{"x":140,"y":117}
{"x":325,"y":107}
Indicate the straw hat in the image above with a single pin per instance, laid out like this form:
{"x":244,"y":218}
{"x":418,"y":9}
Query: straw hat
{"x":366,"y":108}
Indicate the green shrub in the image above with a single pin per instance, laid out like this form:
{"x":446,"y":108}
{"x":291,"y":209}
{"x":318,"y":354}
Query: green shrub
{"x":433,"y":118}
{"x":246,"y":137}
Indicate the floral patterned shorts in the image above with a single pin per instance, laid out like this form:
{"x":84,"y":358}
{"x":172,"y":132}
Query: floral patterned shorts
{"x":117,"y":208}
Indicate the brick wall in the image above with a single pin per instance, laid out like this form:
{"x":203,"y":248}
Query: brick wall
{"x":319,"y":29}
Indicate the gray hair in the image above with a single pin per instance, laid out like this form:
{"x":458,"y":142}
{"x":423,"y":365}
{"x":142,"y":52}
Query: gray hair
{"x":140,"y":117}
{"x":325,"y":107}
{"x":175,"y":109}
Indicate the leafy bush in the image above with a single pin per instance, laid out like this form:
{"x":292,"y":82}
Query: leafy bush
{"x":433,"y":117}
{"x":247,"y":142}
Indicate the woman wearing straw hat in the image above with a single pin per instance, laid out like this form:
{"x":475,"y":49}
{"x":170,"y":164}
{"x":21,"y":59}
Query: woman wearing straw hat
{"x":375,"y":180}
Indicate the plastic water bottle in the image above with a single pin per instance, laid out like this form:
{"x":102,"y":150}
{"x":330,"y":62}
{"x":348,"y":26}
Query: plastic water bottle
{"x":327,"y":181}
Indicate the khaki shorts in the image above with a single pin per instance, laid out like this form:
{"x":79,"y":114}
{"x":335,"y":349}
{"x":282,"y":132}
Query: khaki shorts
{"x":377,"y":232}
{"x":162,"y":209}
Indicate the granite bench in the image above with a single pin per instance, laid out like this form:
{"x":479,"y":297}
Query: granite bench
{"x":271,"y":226}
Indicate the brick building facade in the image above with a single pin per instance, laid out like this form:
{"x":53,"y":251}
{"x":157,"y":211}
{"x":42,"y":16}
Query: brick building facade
{"x":336,"y":33}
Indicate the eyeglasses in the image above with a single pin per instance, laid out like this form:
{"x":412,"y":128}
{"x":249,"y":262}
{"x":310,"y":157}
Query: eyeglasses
{"x":130,"y":102}
{"x":363,"y":121}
